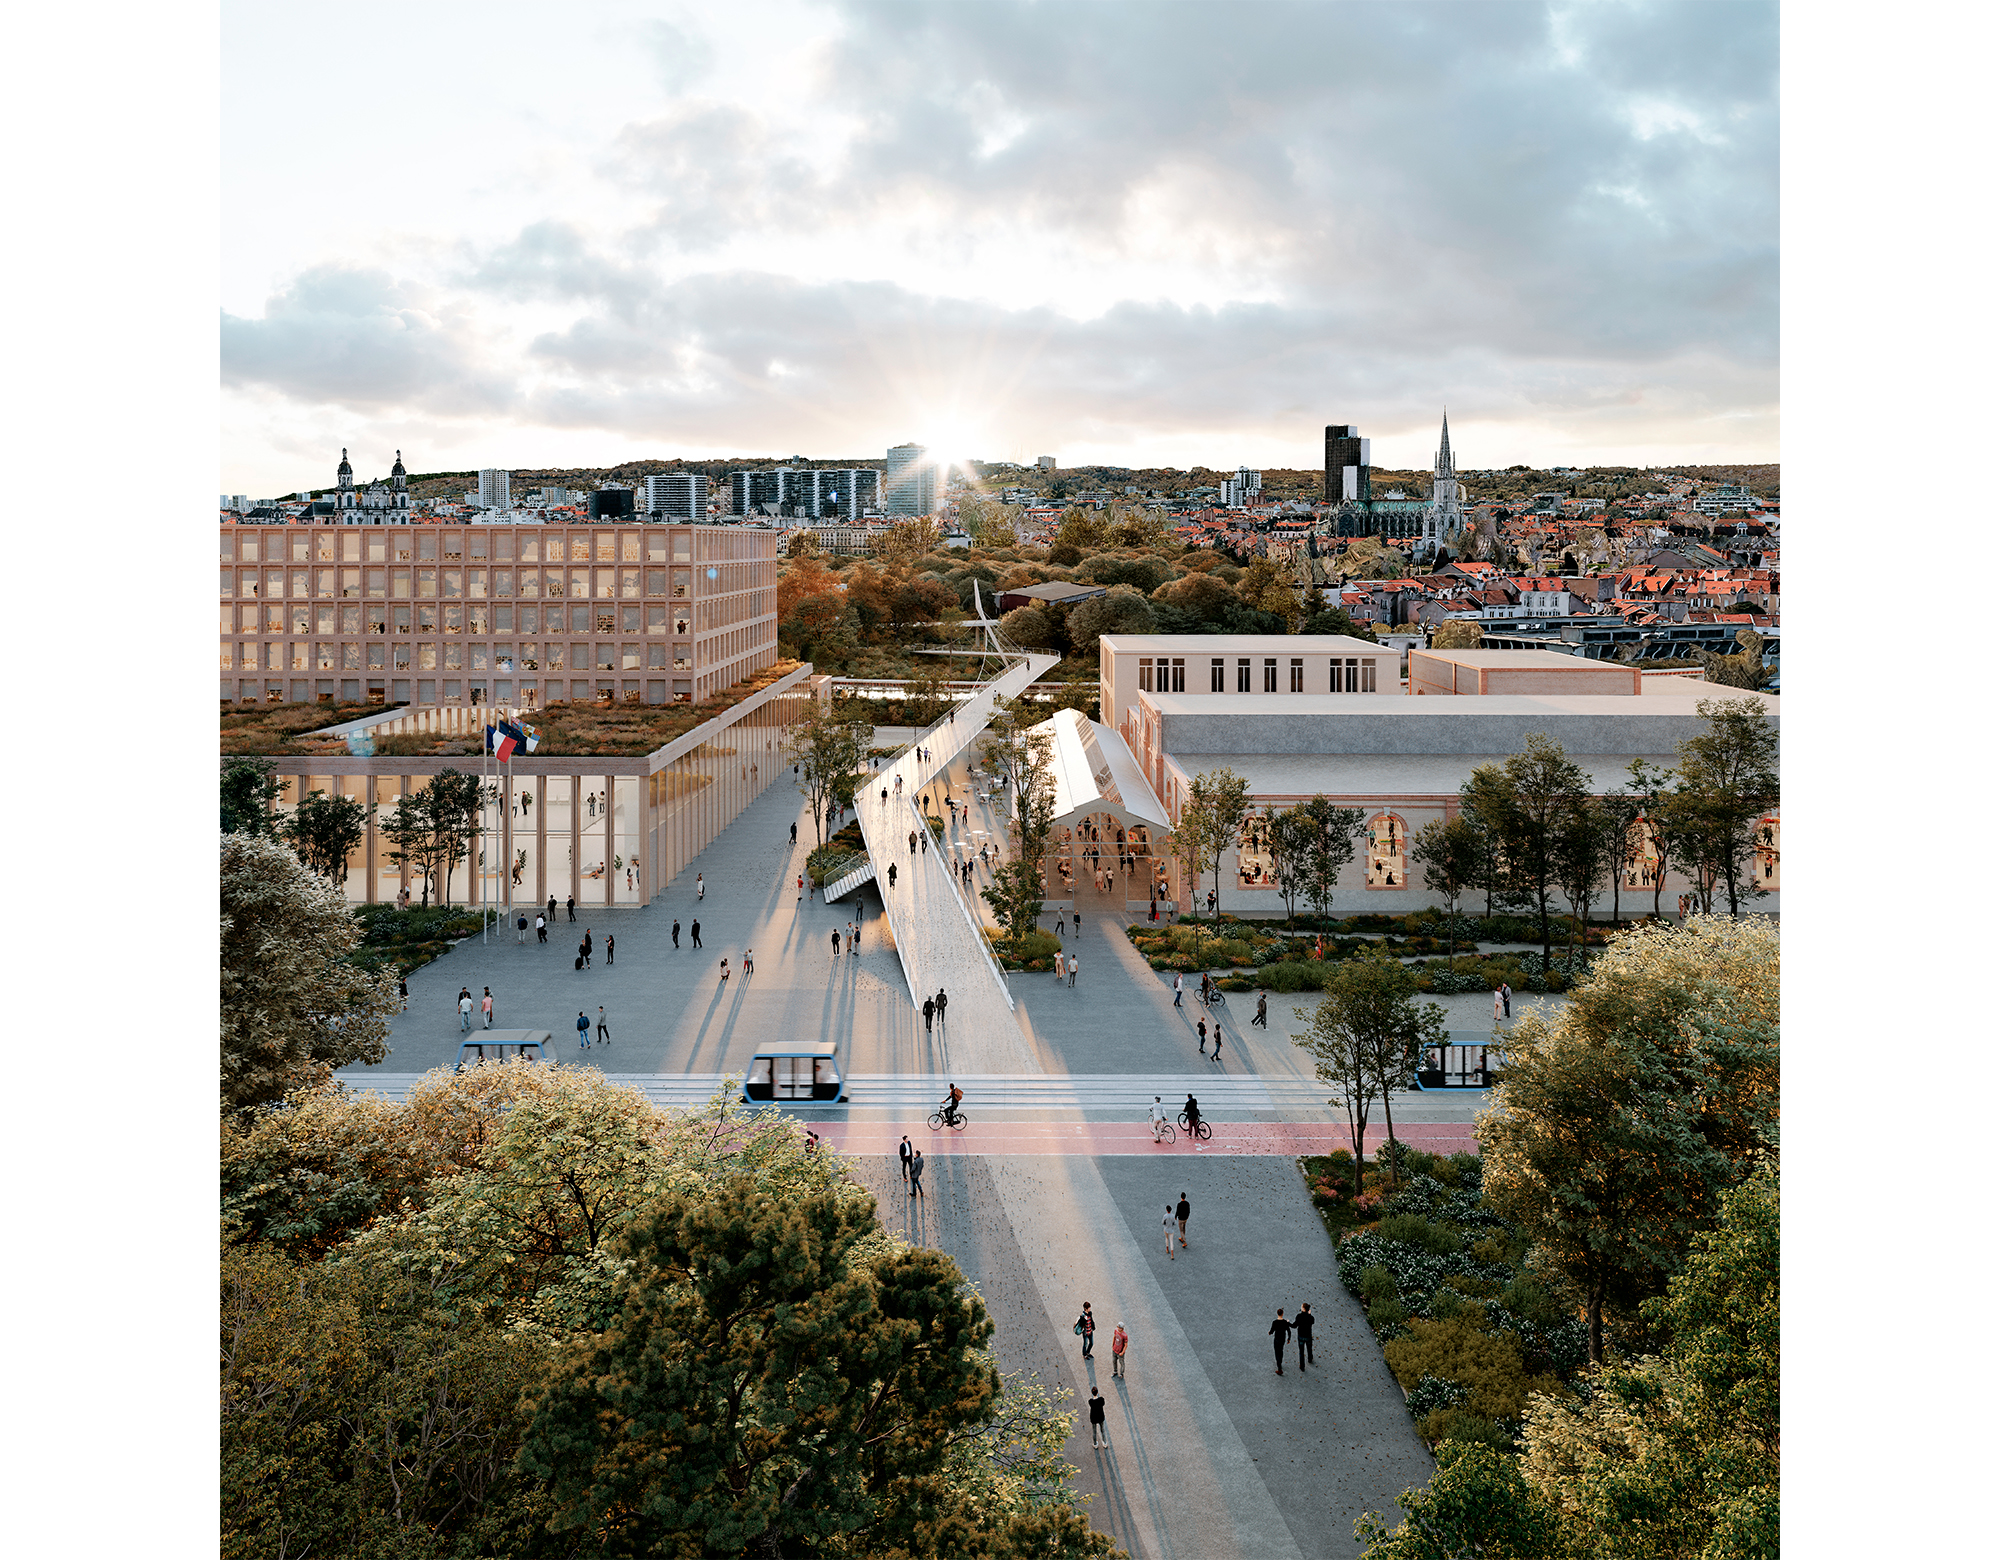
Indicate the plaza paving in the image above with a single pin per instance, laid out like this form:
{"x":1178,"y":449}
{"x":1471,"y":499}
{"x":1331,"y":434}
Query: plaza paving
{"x":1048,"y":1199}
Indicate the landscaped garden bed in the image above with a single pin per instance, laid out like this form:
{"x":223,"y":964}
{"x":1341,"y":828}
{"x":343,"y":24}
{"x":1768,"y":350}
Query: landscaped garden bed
{"x":1466,"y":1328}
{"x":400,"y":941}
{"x":1262,"y":957}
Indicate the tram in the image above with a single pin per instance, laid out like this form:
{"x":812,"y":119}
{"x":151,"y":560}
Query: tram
{"x":801,"y":1070}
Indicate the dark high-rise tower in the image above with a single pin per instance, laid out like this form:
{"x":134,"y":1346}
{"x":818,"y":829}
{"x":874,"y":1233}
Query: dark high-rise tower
{"x":1346,"y":465}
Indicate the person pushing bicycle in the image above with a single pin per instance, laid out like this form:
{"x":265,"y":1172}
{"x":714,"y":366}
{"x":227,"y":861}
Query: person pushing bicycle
{"x":1193,"y":1114}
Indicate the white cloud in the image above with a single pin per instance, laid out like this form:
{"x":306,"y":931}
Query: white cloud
{"x":1104,"y":226}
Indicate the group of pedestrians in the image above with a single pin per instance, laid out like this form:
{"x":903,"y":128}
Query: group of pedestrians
{"x":912,"y":1159}
{"x":465,"y":1005}
{"x":583,"y":1029}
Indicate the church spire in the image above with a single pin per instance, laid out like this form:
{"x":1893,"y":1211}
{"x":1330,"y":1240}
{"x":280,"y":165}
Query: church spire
{"x":1444,"y":465}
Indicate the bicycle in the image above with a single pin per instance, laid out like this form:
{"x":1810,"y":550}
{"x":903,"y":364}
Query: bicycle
{"x":1163,"y":1131}
{"x":1201,"y":1128}
{"x":939,"y":1122}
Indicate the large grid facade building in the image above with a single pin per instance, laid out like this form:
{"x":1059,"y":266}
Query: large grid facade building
{"x":1347,"y":462}
{"x":495,"y":614}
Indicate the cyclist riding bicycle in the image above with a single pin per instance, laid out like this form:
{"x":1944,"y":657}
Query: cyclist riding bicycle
{"x":1193,"y":1114}
{"x":949,"y":1108}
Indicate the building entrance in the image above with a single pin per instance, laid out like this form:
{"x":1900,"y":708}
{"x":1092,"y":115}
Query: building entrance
{"x":1101,"y":864}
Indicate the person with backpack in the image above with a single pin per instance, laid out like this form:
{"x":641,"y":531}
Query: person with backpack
{"x":583,"y":1030}
{"x":1086,"y":1328}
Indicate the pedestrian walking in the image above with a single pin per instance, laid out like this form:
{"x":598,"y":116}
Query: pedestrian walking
{"x":835,"y":935}
{"x":917,"y":1172}
{"x":486,"y":1005}
{"x":582,"y":1030}
{"x":610,"y":948}
{"x":1177,"y":991}
{"x":802,"y":883}
{"x":749,"y":964}
{"x":1118,"y":1342}
{"x":903,"y":1156}
{"x":521,"y":929}
{"x":1258,"y":1021}
{"x":541,"y":929}
{"x":930,"y":1007}
{"x":584,"y":948}
{"x":795,"y":833}
{"x":1167,"y":1229}
{"x":1498,"y":1008}
{"x":1097,"y":1419}
{"x":1072,"y":969}
{"x":1201,"y":1028}
{"x":552,"y":907}
{"x":694,"y":934}
{"x":1303,"y":1326}
{"x":603,"y":1029}
{"x":1281,"y":1334}
{"x":940,"y":1007}
{"x":700,"y":888}
{"x":854,"y":938}
{"x":571,"y":903}
{"x":725,"y":969}
{"x":403,"y":991}
{"x":913,"y":842}
{"x":1506,"y":1000}
{"x":892,"y":874}
{"x":1181,"y":1218}
{"x":1086,"y":1326}
{"x":677,"y":933}
{"x":465,"y":1012}
{"x":1153,"y":910}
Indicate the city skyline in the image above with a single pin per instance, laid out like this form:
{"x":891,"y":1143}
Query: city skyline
{"x":1126,"y":236}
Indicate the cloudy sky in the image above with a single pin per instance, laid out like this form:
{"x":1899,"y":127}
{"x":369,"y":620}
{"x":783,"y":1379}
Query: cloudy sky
{"x":1147,"y":234}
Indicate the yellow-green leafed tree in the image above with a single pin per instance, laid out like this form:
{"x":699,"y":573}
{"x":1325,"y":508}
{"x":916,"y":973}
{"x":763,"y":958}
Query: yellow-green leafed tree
{"x":1618,"y":1124}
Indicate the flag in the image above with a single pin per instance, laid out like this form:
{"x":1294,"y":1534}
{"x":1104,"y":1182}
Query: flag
{"x":531,"y":738}
{"x":501,"y":740}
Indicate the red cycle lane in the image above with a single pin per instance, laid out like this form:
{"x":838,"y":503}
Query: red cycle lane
{"x":1097,"y":1138}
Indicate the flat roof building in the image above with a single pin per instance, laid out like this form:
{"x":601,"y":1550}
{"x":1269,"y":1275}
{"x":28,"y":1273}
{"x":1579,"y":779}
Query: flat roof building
{"x":502,"y":614}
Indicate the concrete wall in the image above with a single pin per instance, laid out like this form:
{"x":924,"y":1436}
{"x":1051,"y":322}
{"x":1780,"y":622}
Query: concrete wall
{"x":1624,"y":725}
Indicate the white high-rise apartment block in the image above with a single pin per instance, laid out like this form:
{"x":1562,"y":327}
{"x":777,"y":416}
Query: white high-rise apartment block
{"x":1046,"y":462}
{"x":680,"y":495}
{"x":1241,"y":488}
{"x":911,"y":481}
{"x":493,"y":489}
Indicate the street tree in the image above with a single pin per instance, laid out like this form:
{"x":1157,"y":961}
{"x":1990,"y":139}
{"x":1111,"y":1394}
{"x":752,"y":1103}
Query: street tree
{"x":1449,"y":853}
{"x":325,"y":831}
{"x":828,"y":750}
{"x":1477,"y":1503}
{"x":1527,"y":803}
{"x":294,"y":1004}
{"x":1225,"y":803}
{"x":1586,"y":846}
{"x":1617,"y":1124}
{"x":1728,"y":779}
{"x":1288,"y":833}
{"x":431,"y":829}
{"x":250,"y":789}
{"x":1332,"y":834}
{"x":1647,"y":786}
{"x":1371,"y":1003}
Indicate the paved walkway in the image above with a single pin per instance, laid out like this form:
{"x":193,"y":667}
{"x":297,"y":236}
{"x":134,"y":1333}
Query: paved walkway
{"x":1213,"y":1456}
{"x":936,"y":933}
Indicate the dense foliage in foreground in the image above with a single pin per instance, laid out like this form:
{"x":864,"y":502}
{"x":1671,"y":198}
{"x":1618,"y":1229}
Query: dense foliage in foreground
{"x":526,"y":1313}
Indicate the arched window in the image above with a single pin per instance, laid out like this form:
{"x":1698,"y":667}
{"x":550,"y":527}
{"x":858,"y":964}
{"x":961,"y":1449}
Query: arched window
{"x":1764,"y":850}
{"x":1643,"y":863}
{"x":1388,"y":837}
{"x":1253,"y":853}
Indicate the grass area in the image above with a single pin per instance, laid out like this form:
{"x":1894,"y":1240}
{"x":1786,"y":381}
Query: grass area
{"x":1465,"y":1326}
{"x":272,"y":730}
{"x":585,"y":729}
